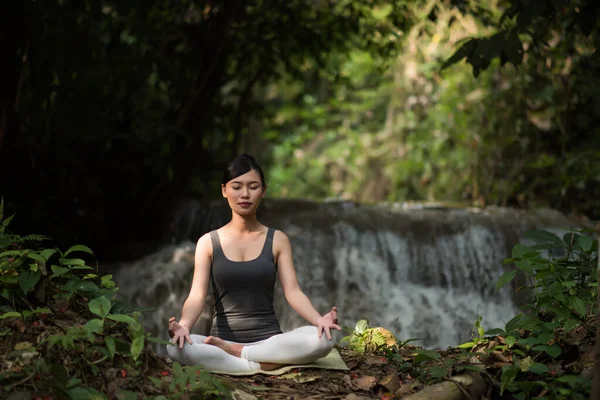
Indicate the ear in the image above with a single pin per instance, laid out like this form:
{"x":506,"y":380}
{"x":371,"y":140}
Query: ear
{"x":223,"y":190}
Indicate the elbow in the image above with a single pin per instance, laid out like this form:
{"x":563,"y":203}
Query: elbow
{"x":293,"y":295}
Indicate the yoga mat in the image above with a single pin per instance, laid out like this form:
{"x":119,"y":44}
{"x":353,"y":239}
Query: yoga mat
{"x":333,"y":360}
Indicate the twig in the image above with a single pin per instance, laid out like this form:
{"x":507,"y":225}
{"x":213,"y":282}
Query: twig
{"x":22,"y":381}
{"x":460,"y":386}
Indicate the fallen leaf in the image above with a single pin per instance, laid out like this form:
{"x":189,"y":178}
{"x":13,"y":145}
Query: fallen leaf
{"x":23,"y":345}
{"x":404,"y":389}
{"x":305,"y":379}
{"x":237,"y":394}
{"x":375,"y":361}
{"x":390,"y":382}
{"x":352,"y":364}
{"x":364,"y":382}
{"x":290,"y":375}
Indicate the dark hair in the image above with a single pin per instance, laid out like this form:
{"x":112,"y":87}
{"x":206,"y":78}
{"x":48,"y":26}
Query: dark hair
{"x":241,"y":165}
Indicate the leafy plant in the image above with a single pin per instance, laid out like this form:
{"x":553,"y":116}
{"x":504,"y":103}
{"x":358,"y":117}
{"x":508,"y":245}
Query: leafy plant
{"x":80,"y":331}
{"x":561,"y":276}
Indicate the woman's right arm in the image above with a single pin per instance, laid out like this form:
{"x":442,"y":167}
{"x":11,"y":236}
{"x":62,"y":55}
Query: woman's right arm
{"x":193,"y":305}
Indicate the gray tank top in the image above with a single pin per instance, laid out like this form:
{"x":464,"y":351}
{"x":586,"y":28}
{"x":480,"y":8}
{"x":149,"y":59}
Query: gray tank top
{"x":243,"y":293}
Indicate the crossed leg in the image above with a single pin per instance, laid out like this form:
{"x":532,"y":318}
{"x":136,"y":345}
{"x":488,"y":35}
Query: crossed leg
{"x":299,"y":346}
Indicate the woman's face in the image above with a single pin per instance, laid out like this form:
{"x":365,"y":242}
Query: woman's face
{"x":244,"y":192}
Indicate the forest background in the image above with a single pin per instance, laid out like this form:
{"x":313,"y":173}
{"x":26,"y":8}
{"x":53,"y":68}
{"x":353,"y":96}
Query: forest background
{"x":113,"y":112}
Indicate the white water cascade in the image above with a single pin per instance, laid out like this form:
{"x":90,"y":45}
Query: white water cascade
{"x":423,"y":273}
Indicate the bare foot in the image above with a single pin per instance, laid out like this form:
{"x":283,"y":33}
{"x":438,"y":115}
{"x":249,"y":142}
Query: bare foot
{"x":270,"y":366}
{"x":231,"y":348}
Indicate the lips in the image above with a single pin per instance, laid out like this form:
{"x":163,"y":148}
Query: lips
{"x":245,"y":204}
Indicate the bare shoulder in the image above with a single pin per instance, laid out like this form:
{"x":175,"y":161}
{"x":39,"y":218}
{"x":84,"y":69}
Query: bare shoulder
{"x":204,"y":245}
{"x":281,"y":240}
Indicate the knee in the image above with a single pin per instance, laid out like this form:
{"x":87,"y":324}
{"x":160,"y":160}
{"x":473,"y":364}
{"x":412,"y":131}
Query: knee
{"x":319,"y":346}
{"x":175,"y":353}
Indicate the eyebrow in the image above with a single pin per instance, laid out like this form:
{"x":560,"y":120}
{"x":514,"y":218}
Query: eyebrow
{"x":232,"y":182}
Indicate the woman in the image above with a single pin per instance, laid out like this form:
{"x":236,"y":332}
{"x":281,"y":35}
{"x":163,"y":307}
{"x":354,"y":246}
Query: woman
{"x":241,"y":261}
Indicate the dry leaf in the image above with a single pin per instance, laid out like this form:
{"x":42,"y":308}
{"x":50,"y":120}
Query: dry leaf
{"x":290,"y":375}
{"x":390,"y":382}
{"x":305,"y":379}
{"x":22,"y":345}
{"x":237,"y":394}
{"x":364,"y":382}
{"x":404,"y":389}
{"x":375,"y":361}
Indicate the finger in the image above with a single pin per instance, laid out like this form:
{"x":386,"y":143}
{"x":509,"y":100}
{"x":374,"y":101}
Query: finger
{"x":319,"y":330}
{"x":328,"y":332}
{"x":188,"y":338}
{"x":181,"y":342}
{"x":339,"y":328}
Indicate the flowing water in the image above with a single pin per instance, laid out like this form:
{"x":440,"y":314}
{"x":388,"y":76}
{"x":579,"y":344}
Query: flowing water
{"x":422,"y":272}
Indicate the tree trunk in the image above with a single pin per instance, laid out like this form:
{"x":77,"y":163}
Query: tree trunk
{"x":467,"y":386}
{"x":596,"y":376}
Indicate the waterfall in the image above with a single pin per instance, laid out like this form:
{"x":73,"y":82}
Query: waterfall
{"x":424,"y":273}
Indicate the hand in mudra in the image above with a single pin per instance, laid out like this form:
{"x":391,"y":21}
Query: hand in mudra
{"x":179,"y":333}
{"x":327,"y":322}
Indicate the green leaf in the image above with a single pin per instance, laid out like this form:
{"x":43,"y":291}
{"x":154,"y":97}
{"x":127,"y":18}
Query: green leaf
{"x":94,"y":326}
{"x":361,"y":326}
{"x":87,"y":393}
{"x":513,"y":49}
{"x":520,"y":250}
{"x":538,"y":368}
{"x":100,"y":306}
{"x":510,"y":341}
{"x":571,"y":324}
{"x":87,"y":286}
{"x":514,"y":323}
{"x":570,"y":379}
{"x":10,"y":314}
{"x":437,"y":372}
{"x":58,"y":271}
{"x":28,"y":280}
{"x":578,"y":305}
{"x":426,"y":355}
{"x":509,"y":373}
{"x":544,"y":237}
{"x":36,"y":257}
{"x":585,"y":242}
{"x":72,"y":261}
{"x":122,"y":318}
{"x":126,"y":395}
{"x":137,"y":345}
{"x":496,"y":331}
{"x":109,"y":342}
{"x":505,"y":278}
{"x":553,"y":350}
{"x":159,"y":341}
{"x":79,"y":247}
{"x":47,"y":253}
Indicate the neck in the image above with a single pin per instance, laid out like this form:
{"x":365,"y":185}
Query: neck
{"x":244,"y":223}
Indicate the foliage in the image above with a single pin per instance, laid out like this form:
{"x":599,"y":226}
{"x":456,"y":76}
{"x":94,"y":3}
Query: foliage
{"x":415,"y":128}
{"x":62,"y":324}
{"x":366,"y":340}
{"x":562,"y":276}
{"x":116,"y":109}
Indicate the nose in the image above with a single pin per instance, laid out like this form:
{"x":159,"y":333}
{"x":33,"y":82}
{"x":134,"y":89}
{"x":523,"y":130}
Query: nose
{"x":245,"y":192}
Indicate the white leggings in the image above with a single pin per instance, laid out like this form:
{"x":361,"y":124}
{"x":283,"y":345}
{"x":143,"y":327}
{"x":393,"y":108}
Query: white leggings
{"x":300,"y":346}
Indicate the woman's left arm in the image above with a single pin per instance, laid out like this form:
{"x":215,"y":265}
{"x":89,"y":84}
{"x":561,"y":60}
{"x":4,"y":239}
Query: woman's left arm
{"x":293,"y":294}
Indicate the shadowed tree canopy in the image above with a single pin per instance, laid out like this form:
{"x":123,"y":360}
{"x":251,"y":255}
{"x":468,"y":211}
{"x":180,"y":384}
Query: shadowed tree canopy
{"x":112,"y":110}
